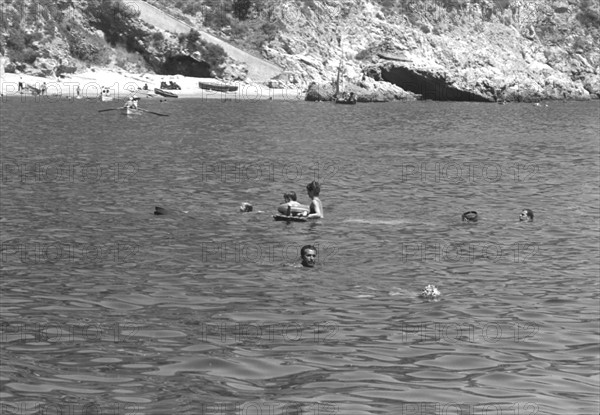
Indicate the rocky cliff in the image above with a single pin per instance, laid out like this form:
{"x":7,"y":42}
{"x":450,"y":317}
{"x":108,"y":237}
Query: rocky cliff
{"x":480,"y":50}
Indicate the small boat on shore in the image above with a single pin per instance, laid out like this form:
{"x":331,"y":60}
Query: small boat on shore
{"x":347,"y":99}
{"x":219,"y":87}
{"x":164,"y":93}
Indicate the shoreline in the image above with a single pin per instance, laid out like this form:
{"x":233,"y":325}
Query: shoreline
{"x":122,"y":85}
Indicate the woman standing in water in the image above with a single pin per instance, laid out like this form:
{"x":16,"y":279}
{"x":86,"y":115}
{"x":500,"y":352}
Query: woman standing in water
{"x":316,"y":207}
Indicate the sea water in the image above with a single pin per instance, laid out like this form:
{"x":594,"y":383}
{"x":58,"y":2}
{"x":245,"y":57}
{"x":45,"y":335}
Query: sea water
{"x":107,"y":308}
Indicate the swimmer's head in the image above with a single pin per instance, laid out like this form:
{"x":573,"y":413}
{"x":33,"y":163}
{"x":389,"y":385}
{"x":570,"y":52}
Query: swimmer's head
{"x":309,"y":256}
{"x":470,"y":216}
{"x":290,"y":196}
{"x":246,"y":207}
{"x":526,"y":215}
{"x":314,"y":187}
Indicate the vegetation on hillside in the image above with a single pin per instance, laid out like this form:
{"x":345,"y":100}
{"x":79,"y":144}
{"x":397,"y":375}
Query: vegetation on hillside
{"x":96,"y":32}
{"x":252,"y":23}
{"x":212,"y":54}
{"x":249,"y":24}
{"x":104,"y":31}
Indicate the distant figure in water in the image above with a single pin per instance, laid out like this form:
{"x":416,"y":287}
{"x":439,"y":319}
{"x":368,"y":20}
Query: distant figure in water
{"x":246,"y":207}
{"x":309,"y":256}
{"x":469,"y":216}
{"x":526,"y":215}
{"x":316,"y":206}
{"x":430,"y":292}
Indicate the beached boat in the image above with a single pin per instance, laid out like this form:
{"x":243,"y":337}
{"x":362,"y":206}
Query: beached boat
{"x":347,"y":101}
{"x":342,"y":97}
{"x":164,"y":93}
{"x":219,"y":87}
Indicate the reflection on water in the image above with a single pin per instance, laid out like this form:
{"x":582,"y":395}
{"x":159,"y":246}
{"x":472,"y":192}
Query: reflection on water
{"x":107,"y":307}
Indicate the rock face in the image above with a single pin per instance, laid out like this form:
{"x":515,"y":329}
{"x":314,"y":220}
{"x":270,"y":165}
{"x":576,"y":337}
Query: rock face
{"x":466,"y":50}
{"x":471,"y":55}
{"x":366,"y":91}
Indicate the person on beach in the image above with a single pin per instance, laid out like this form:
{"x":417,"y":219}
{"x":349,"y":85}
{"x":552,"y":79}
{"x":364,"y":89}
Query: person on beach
{"x":78,"y":91}
{"x":20,"y":87}
{"x":308,"y":253}
{"x":43,"y":89}
{"x":316,"y":206}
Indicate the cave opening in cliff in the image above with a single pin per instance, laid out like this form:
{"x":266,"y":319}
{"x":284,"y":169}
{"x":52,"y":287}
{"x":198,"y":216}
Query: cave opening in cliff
{"x":186,"y":66}
{"x":427,"y":85}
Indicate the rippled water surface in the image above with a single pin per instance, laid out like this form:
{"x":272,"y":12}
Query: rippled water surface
{"x":106,"y":307}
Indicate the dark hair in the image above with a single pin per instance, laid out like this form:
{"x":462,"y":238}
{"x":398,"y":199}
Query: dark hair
{"x":529,"y":213}
{"x":291,"y":195}
{"x":470,"y":216}
{"x":306,"y":248}
{"x":315,"y":187}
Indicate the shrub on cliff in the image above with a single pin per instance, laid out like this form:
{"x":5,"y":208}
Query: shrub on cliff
{"x":89,"y":48}
{"x":589,"y":13}
{"x":217,"y":16}
{"x":117,"y":20}
{"x":212,"y":54}
{"x":21,"y":45}
{"x":241,"y":8}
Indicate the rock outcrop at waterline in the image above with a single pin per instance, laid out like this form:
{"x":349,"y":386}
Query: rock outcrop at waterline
{"x":502,"y":68}
{"x":367,"y":90}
